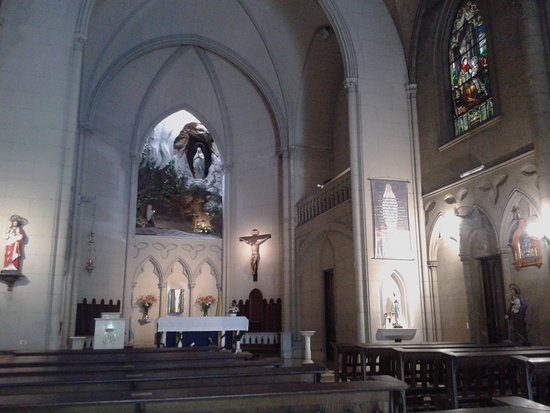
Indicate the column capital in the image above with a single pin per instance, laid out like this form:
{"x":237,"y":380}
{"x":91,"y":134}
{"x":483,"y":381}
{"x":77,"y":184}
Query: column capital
{"x":288,"y":152}
{"x":79,"y":42}
{"x":85,"y":129}
{"x":351,"y":83}
{"x":411,"y":88}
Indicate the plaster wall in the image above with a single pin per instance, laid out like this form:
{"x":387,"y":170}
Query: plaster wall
{"x":36,"y":161}
{"x":512,"y":128}
{"x":495,"y":192}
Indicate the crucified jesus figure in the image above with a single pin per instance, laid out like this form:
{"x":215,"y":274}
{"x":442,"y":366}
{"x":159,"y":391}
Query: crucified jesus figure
{"x":255,"y":240}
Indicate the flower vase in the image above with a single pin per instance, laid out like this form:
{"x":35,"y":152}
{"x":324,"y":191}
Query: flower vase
{"x":205,"y":311}
{"x":145,"y":313}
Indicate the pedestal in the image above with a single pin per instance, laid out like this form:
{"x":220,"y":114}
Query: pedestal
{"x":395,"y":334}
{"x":307,"y":346}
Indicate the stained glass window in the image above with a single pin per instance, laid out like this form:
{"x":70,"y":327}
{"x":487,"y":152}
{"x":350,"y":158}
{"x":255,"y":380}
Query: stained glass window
{"x":472,"y":101}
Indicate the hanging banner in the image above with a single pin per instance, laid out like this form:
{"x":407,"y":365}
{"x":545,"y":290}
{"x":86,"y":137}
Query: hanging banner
{"x":391,"y":219}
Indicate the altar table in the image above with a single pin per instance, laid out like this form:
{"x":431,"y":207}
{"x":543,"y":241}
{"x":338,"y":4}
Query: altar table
{"x":202,"y":324}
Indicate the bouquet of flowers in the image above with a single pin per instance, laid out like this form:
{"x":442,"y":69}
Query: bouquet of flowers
{"x":147,"y":301}
{"x":204,"y":302}
{"x":234,"y":309}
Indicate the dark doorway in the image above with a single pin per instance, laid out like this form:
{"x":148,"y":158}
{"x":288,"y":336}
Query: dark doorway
{"x":330,"y":329}
{"x":495,"y":303}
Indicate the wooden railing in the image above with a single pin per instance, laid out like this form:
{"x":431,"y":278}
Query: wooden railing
{"x":330,"y":194}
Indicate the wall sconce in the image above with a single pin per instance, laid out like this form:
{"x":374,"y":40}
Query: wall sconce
{"x":90,"y":261}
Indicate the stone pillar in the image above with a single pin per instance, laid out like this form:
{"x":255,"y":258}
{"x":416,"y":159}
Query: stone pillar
{"x":431,"y":295}
{"x":290,"y":293}
{"x":63,"y":311}
{"x":536,"y":70}
{"x":421,"y":245}
{"x":357,"y":202}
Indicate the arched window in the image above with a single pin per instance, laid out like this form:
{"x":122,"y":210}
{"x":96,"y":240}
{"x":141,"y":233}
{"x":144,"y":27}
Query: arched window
{"x":471,"y":96}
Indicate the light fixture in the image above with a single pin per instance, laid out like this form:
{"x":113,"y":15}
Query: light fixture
{"x":90,"y":261}
{"x":472,"y":171}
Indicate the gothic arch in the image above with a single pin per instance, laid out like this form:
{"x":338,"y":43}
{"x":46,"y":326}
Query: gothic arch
{"x":157,"y":270}
{"x":517,"y":198}
{"x":215,"y":272}
{"x":186,"y":269}
{"x":89,"y":105}
{"x":398,"y":281}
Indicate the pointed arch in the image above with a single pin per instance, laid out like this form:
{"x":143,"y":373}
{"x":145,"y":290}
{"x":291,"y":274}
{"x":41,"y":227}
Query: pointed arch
{"x":528,"y":207}
{"x":214,"y":270}
{"x":396,"y":279}
{"x":157,"y":269}
{"x":186,"y":269}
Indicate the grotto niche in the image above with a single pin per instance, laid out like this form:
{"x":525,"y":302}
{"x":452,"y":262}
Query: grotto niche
{"x":179,"y":180}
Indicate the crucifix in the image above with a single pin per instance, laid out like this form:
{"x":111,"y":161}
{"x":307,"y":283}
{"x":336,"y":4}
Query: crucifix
{"x":255,"y":240}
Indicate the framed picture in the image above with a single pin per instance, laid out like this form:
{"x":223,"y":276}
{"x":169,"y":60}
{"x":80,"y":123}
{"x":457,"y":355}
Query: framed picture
{"x":391,"y":219}
{"x":527,"y":249}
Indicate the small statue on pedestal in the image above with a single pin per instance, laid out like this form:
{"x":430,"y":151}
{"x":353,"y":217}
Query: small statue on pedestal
{"x":15,"y":237}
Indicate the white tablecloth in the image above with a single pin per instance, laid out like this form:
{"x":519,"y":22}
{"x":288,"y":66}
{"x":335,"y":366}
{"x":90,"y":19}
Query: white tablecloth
{"x":179,"y":324}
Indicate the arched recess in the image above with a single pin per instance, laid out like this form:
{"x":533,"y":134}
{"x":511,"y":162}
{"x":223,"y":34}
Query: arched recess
{"x":323,"y":255}
{"x":527,"y":208}
{"x":147,"y":279}
{"x":205,"y":280}
{"x":178,"y":278}
{"x":444,"y":267}
{"x":392,"y":289}
{"x":483,"y":275}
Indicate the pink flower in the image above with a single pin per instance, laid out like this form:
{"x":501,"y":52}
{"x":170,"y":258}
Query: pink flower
{"x":147,"y":300}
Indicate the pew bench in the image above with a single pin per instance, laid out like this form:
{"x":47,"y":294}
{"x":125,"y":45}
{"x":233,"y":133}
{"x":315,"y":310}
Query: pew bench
{"x":134,"y":367}
{"x":115,"y":358}
{"x":534,"y":377}
{"x":476,"y":377}
{"x":370,"y":395}
{"x":120,"y":381}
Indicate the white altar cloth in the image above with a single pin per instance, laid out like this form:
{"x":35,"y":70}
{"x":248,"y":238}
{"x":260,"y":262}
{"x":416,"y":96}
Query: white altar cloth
{"x":182,"y":324}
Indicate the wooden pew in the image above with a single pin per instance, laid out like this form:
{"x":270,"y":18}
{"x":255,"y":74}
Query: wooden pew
{"x":424,"y":367}
{"x":114,"y":358}
{"x":136,"y":367}
{"x":534,"y":377}
{"x":355,"y":361}
{"x":121,"y":381}
{"x":476,"y":377}
{"x":267,"y":398}
{"x":129,"y":350}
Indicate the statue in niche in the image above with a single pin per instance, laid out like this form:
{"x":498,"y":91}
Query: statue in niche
{"x":192,"y":138}
{"x":179,"y":183}
{"x":15,"y":237}
{"x":199,"y":164}
{"x":396,"y":310}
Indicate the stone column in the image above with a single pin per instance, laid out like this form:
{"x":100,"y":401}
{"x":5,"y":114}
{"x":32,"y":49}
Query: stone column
{"x":536,"y":70}
{"x":63,"y":310}
{"x":357,"y":202}
{"x":421,"y":245}
{"x":431,"y":295}
{"x":290,"y":293}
